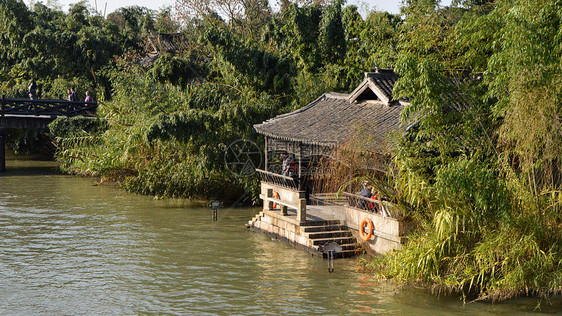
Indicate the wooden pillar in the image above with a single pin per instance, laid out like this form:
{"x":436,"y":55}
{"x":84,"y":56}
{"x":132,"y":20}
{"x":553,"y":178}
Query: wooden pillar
{"x":301,"y":184}
{"x":2,"y":149}
{"x":266,"y":156}
{"x":300,"y":160}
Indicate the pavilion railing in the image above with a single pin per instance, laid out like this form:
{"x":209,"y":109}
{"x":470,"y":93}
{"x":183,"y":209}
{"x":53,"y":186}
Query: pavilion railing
{"x":37,"y":107}
{"x":278,"y":179}
{"x":371,"y":205}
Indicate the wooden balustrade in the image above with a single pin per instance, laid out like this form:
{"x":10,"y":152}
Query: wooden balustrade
{"x":280,"y":180}
{"x":37,"y":107}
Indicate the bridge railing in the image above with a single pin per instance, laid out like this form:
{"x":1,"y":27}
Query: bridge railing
{"x":280,"y":180}
{"x":37,"y":107}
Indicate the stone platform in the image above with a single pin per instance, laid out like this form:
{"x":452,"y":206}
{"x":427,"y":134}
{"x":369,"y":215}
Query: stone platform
{"x":311,"y":234}
{"x":327,"y":223}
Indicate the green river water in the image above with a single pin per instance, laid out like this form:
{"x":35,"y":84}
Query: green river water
{"x":70,"y":246}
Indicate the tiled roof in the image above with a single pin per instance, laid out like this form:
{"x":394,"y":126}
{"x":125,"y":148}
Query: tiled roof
{"x":369,"y":112}
{"x":332,"y":119}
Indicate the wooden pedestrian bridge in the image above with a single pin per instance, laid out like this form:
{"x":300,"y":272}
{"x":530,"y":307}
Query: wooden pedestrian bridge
{"x":36,"y":114}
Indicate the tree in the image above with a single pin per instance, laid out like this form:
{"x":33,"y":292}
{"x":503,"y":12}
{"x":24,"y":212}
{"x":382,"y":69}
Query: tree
{"x":331,"y":34}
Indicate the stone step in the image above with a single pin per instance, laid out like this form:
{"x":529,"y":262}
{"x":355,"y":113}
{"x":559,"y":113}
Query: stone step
{"x":338,"y":240}
{"x":329,"y":234}
{"x":312,"y":229}
{"x":257,"y":217}
{"x":321,"y":223}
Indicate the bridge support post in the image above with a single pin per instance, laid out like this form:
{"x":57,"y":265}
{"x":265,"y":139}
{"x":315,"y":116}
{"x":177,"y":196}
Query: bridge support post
{"x":2,"y":149}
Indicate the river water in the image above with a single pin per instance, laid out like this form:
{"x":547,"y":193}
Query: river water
{"x":70,"y":246}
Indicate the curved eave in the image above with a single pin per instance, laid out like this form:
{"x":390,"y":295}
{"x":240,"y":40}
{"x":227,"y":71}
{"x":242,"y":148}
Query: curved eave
{"x":297,"y":140}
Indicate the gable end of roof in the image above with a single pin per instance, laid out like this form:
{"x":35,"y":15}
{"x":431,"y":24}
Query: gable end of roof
{"x":376,"y":84}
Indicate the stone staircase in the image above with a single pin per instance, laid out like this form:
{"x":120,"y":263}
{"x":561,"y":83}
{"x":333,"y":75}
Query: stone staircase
{"x":310,"y":235}
{"x":323,"y":232}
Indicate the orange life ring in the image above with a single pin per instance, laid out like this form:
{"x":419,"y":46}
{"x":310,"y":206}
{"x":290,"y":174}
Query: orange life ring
{"x":366,"y":223}
{"x":275,"y":195}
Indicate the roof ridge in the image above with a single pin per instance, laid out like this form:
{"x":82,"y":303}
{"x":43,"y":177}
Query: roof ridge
{"x":311,"y":104}
{"x":337,"y":95}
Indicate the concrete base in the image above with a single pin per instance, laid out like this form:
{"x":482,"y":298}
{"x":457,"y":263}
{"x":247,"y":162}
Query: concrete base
{"x":309,"y":226}
{"x":282,"y":228}
{"x":389,"y":233}
{"x":312,"y":235}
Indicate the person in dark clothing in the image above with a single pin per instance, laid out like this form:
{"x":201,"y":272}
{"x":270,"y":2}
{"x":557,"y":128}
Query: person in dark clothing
{"x":73,"y":95}
{"x":366,"y":193}
{"x":365,"y":190}
{"x":32,"y":90}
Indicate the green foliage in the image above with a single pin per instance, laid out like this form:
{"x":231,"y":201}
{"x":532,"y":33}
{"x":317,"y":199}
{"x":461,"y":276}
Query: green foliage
{"x":482,"y":165}
{"x":331,"y":34}
{"x":182,"y":126}
{"x":50,"y":45}
{"x":177,"y":71}
{"x":77,"y":126}
{"x":310,"y":86}
{"x":380,"y":39}
{"x":295,"y":32}
{"x":532,"y":97}
{"x":164,"y":23}
{"x":249,"y":66}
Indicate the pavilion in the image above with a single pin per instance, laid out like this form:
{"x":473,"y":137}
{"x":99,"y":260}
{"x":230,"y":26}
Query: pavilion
{"x":316,"y":131}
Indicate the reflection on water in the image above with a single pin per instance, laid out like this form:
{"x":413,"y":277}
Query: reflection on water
{"x":70,"y":246}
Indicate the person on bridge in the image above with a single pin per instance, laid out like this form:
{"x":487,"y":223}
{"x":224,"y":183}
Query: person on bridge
{"x":32,"y":89}
{"x":73,"y":95}
{"x":88,"y":98}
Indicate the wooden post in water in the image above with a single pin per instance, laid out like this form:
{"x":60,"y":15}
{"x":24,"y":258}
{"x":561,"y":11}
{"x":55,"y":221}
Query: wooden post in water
{"x":2,"y":149}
